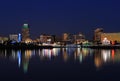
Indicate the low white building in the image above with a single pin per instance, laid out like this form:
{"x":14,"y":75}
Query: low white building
{"x":13,"y":37}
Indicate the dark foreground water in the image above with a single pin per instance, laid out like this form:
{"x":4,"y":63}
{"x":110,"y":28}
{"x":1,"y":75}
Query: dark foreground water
{"x":60,"y":64}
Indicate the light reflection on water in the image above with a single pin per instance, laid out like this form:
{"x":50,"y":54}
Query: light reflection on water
{"x":100,"y":57}
{"x":104,"y":57}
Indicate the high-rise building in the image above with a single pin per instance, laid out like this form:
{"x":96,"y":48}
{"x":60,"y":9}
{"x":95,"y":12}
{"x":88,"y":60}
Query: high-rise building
{"x":25,"y":32}
{"x":65,"y":36}
{"x":97,"y":34}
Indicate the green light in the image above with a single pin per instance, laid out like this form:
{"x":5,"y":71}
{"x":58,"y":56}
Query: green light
{"x":25,"y":26}
{"x":25,"y":67}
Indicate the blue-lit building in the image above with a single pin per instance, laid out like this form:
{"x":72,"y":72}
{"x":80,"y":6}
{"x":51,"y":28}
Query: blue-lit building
{"x":19,"y":37}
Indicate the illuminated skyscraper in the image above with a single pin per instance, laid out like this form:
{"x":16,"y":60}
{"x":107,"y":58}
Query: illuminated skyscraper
{"x":97,"y":34}
{"x":25,"y":32}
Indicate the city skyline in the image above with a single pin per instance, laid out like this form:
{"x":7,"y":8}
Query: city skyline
{"x":62,"y":40}
{"x":56,"y":17}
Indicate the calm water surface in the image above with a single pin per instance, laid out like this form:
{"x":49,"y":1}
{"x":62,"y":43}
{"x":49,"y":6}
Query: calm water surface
{"x":61,"y":64}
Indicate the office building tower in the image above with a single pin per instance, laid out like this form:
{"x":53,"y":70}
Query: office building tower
{"x":97,"y":34}
{"x":25,"y":32}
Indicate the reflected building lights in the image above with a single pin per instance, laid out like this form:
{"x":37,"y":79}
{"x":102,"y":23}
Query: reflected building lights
{"x":65,"y":55}
{"x":105,"y":55}
{"x":81,"y":53}
{"x":25,"y":59}
{"x":78,"y":54}
{"x":98,"y":61}
{"x":85,"y":51}
{"x":28,"y":53}
{"x":80,"y":58}
{"x":49,"y":53}
{"x":113,"y":54}
{"x":19,"y":57}
{"x":25,"y":66}
{"x":39,"y":52}
{"x":13,"y":54}
{"x":56,"y":51}
{"x":46,"y":53}
{"x":5,"y":52}
{"x":101,"y":56}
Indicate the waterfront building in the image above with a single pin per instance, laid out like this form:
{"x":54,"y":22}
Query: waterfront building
{"x":28,"y":40}
{"x":105,"y":41}
{"x":112,"y":37}
{"x":46,"y":38}
{"x":68,"y":38}
{"x":3,"y":39}
{"x":65,"y":36}
{"x":25,"y":32}
{"x":13,"y":37}
{"x":97,"y":34}
{"x":79,"y":38}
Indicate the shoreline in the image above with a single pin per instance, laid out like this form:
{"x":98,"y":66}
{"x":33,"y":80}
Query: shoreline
{"x":31,"y":46}
{"x":102,"y":46}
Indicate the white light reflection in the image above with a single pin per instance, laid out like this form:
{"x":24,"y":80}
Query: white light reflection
{"x":49,"y":53}
{"x":5,"y":52}
{"x":13,"y":54}
{"x":46,"y":53}
{"x":79,"y":54}
{"x":106,"y":55}
{"x":56,"y":51}
{"x":80,"y":58}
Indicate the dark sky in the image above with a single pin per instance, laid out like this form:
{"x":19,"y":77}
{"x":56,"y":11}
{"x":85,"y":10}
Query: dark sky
{"x":58,"y":16}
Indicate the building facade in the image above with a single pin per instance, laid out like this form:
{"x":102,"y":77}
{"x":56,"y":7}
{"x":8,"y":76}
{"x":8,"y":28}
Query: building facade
{"x":68,"y":37}
{"x":3,"y":39}
{"x":112,"y":37}
{"x":25,"y":32}
{"x":79,"y":38}
{"x":65,"y":36}
{"x":46,"y":38}
{"x":13,"y":37}
{"x":97,"y":34}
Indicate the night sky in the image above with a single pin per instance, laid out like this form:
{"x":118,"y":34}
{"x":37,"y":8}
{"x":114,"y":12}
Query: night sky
{"x":58,"y":16}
